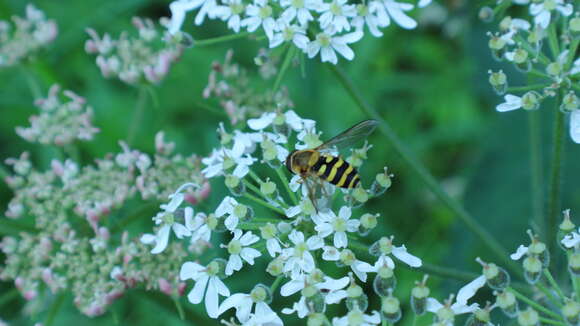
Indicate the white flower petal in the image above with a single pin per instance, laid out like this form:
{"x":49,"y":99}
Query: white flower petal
{"x":575,"y":126}
{"x":161,"y":239}
{"x":522,"y":250}
{"x":195,"y":296}
{"x":211,"y":299}
{"x":402,"y":254}
{"x":469,"y":290}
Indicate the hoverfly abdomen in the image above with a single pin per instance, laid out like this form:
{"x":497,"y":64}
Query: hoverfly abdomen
{"x":336,"y":171}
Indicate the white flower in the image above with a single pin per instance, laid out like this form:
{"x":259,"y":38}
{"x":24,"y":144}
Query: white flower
{"x":289,"y":33}
{"x":384,"y":247}
{"x":326,"y":43}
{"x":397,"y":11}
{"x":243,"y":303}
{"x":516,"y":24}
{"x":331,"y":287}
{"x":299,"y":9}
{"x":423,"y":3}
{"x":205,"y":278}
{"x":347,"y":257}
{"x":209,"y":8}
{"x":298,"y":258}
{"x":571,"y":240}
{"x":199,"y":227}
{"x":575,"y":126}
{"x":290,"y":118}
{"x":260,"y":14}
{"x":166,"y":219}
{"x":460,"y":306}
{"x":237,"y":248}
{"x":328,"y":223}
{"x":231,"y":12}
{"x":178,"y":10}
{"x":234,"y":211}
{"x":222,"y":160}
{"x":511,"y":103}
{"x":365,"y":320}
{"x":336,"y":15}
{"x":369,"y":15}
{"x":542,"y":11}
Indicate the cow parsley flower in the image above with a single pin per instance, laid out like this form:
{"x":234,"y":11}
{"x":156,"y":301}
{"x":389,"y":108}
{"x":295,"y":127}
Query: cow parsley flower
{"x":299,"y":258}
{"x":238,"y":250}
{"x":244,"y":303}
{"x":328,"y":223}
{"x":289,"y":33}
{"x":542,"y":11}
{"x":299,"y":9}
{"x":167,"y":219}
{"x":357,"y":317}
{"x":396,"y":11}
{"x":232,"y":12}
{"x":260,"y":14}
{"x":336,"y":15}
{"x":327,"y":43}
{"x":208,"y":284}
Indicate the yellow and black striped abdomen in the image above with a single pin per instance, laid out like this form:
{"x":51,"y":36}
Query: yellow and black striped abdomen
{"x":336,"y":171}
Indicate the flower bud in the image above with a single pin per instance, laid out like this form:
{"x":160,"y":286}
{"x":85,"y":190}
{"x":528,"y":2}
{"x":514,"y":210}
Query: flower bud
{"x":360,"y":195}
{"x":268,"y":231}
{"x":497,"y":46}
{"x":385,"y":281}
{"x":268,"y":188}
{"x":498,"y":81}
{"x":480,"y":317}
{"x":565,"y":227}
{"x":571,"y":312}
{"x":261,"y":293}
{"x":234,"y":184}
{"x":528,"y":317}
{"x":275,"y":267}
{"x":391,"y":309}
{"x":574,"y":263}
{"x":497,"y":277}
{"x":356,"y":299}
{"x":570,"y":102}
{"x":419,"y":296}
{"x":280,"y":125}
{"x":521,"y":60}
{"x":532,"y":269}
{"x":508,"y":303}
{"x":531,"y":101}
{"x":486,"y":14}
{"x":539,"y":249}
{"x":217,"y":267}
{"x":367,"y":223}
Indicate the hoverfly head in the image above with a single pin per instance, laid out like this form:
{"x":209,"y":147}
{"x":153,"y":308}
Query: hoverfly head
{"x":289,"y":161}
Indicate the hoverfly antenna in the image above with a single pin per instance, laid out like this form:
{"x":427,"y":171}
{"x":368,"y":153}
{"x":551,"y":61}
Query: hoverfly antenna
{"x":289,"y":161}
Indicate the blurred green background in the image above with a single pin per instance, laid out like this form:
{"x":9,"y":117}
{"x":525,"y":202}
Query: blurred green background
{"x":430,"y":84}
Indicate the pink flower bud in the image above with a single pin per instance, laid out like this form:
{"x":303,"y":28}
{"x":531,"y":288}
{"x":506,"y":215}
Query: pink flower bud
{"x":165,"y":286}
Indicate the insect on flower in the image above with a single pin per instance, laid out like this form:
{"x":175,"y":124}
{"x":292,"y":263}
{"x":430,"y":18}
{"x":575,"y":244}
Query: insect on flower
{"x":317,"y":164}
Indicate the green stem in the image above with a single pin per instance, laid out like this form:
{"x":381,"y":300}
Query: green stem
{"x":534,"y":304}
{"x":553,"y":41}
{"x":527,"y":88}
{"x":555,"y":176}
{"x":54,"y":308}
{"x":552,"y":322}
{"x":285,"y":65}
{"x":497,"y":11}
{"x":554,"y":284}
{"x":548,"y":294}
{"x":286,"y":184}
{"x":538,"y":73}
{"x":421,"y":171}
{"x":276,"y":283}
{"x":257,"y":191}
{"x":137,"y":115}
{"x":220,"y":39}
{"x":263,"y":203}
{"x":179,"y":308}
{"x":536,"y":170}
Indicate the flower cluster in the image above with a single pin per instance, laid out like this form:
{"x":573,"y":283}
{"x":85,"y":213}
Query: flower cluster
{"x":278,"y":220}
{"x":144,"y":58}
{"x":25,"y":36}
{"x":552,"y":24}
{"x":98,"y":264}
{"x":312,"y":26}
{"x":230,"y":84}
{"x":60,"y":123}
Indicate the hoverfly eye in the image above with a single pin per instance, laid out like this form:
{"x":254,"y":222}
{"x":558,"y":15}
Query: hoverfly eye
{"x":289,"y":160}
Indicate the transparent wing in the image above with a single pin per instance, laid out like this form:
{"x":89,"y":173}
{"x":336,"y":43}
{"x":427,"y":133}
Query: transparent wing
{"x":350,"y":136}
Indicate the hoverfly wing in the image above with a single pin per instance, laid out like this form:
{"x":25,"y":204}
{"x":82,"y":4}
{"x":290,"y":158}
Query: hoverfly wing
{"x":350,"y":136}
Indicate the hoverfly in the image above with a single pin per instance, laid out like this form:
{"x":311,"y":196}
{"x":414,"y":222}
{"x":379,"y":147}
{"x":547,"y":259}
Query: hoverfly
{"x":316,"y":165}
